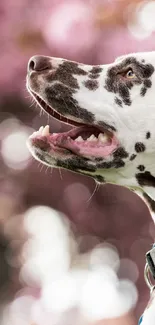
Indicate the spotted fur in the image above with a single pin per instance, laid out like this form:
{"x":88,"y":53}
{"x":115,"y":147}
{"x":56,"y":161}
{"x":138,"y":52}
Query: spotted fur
{"x":103,"y":96}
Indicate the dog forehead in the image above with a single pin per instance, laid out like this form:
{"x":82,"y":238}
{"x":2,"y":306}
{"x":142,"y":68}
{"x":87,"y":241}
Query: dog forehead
{"x":142,"y":57}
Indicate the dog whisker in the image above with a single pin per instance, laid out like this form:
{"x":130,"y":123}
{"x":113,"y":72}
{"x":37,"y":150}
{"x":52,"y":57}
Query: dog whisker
{"x":51,"y":171}
{"x":42,"y":168}
{"x":97,"y":185}
{"x":48,"y":167}
{"x":60,"y":173}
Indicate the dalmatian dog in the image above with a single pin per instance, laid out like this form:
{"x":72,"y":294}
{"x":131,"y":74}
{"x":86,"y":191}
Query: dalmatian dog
{"x":111,"y":111}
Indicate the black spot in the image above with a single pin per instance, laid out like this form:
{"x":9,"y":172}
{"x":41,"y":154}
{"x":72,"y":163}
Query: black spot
{"x":73,"y":68}
{"x":145,"y":179}
{"x":150,"y":202}
{"x":143,"y":61}
{"x":96,"y":70}
{"x":98,"y":159}
{"x":148,"y":135}
{"x":143,"y":91}
{"x":120,"y":153}
{"x":91,"y":84}
{"x":147,"y":83}
{"x":64,"y":74}
{"x":106,"y":126}
{"x":119,"y":163}
{"x":127,"y":101}
{"x":61,"y":99}
{"x":133,"y":156}
{"x":115,"y":86}
{"x":147,"y":70}
{"x":139,"y":147}
{"x":66,"y":79}
{"x":141,"y":168}
{"x":93,"y":76}
{"x":118,"y":101}
{"x":105,"y":165}
{"x":110,"y":85}
{"x":99,"y":178}
{"x":75,"y":164}
{"x":94,"y":73}
{"x":125,"y":94}
{"x":115,"y":163}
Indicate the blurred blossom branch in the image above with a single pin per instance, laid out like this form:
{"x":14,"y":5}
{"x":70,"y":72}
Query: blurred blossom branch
{"x":111,"y":16}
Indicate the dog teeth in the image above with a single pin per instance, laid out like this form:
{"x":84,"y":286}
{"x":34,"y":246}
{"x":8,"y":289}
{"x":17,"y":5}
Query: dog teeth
{"x":79,"y":139}
{"x":102,"y":137}
{"x":40,"y":130}
{"x":45,"y":130}
{"x":92,"y":138}
{"x":33,"y":134}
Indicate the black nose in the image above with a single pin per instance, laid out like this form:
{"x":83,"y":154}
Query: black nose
{"x":39,"y":63}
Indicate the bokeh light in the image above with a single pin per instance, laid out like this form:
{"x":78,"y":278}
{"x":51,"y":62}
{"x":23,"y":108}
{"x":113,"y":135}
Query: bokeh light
{"x":14,"y":150}
{"x":142,"y":24}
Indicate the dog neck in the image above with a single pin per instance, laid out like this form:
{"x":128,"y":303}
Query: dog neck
{"x":139,"y":180}
{"x":148,"y":200}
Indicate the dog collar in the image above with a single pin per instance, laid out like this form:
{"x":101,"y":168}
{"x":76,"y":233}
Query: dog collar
{"x":140,"y":320}
{"x":149,"y":272}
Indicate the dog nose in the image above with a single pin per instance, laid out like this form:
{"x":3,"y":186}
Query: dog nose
{"x":39,"y":63}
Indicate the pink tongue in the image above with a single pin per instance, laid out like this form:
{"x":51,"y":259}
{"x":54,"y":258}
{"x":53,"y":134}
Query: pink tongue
{"x":84,"y":148}
{"x":91,"y":149}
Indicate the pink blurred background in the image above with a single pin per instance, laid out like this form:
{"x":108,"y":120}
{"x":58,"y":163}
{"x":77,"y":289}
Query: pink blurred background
{"x":92,"y":32}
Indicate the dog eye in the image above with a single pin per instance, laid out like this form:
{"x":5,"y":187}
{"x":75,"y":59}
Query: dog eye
{"x":130,"y":74}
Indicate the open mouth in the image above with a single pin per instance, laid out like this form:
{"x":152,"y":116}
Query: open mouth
{"x":83,"y":140}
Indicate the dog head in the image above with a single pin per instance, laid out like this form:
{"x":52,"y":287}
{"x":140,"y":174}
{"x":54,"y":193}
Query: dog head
{"x":111,"y":109}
